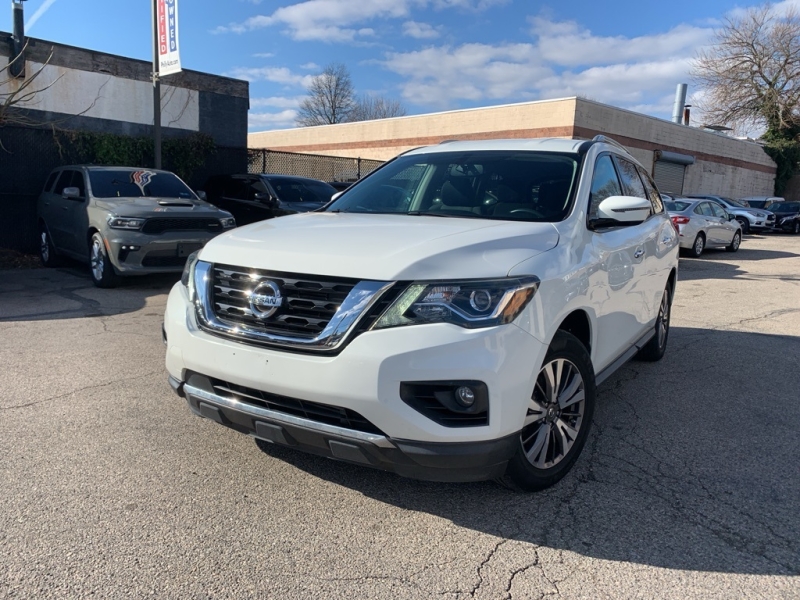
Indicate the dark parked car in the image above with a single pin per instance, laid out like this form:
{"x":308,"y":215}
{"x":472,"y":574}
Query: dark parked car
{"x":251,"y":198}
{"x":787,"y":216}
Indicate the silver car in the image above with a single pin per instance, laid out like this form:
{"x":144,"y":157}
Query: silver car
{"x":123,"y":221}
{"x":703,"y":223}
{"x":749,"y":218}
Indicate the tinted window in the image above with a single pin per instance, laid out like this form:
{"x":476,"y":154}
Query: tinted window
{"x":631,"y":183}
{"x":785,"y":207}
{"x":235,"y":188}
{"x":652,"y":192}
{"x":676,"y":206}
{"x":137,"y":184}
{"x":63,"y":182}
{"x":77,"y":181}
{"x":301,"y":190}
{"x":499,"y":185}
{"x":50,"y":181}
{"x":604,"y":184}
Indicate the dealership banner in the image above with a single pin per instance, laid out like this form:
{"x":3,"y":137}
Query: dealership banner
{"x":169,"y":58}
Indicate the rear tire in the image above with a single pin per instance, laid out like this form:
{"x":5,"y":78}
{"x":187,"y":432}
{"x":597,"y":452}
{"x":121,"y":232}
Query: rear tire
{"x":735,"y":242}
{"x":698,"y":246}
{"x":100,"y":267}
{"x":47,"y":252}
{"x":655,"y":348}
{"x":558,"y":418}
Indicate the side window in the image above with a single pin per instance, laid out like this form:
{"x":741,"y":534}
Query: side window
{"x":705,"y":208}
{"x":604,"y":184}
{"x":631,"y":183}
{"x":652,"y":192}
{"x":48,"y":187}
{"x":698,"y":210}
{"x":718,"y":211}
{"x":77,"y":181}
{"x":234,"y":188}
{"x":63,"y":182}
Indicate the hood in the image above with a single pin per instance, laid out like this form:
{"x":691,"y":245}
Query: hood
{"x":383,"y":247}
{"x":151,"y":207}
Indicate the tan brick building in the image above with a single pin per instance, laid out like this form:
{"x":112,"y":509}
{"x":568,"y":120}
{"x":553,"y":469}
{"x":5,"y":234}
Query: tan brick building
{"x":682,"y":159}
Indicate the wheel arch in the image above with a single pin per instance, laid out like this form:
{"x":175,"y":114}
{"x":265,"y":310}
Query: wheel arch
{"x":578,"y":324}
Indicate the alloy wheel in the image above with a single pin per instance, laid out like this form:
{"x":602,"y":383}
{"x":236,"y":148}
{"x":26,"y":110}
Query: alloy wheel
{"x":737,"y":239}
{"x":699,"y":245}
{"x":663,"y":320}
{"x":44,"y":247}
{"x":796,"y":227}
{"x":555,"y":414}
{"x":97,"y":260}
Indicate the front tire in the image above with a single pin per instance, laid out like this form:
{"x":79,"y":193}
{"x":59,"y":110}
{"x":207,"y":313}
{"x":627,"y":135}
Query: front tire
{"x":796,"y":228}
{"x":47,"y":251}
{"x":735,"y":242}
{"x":558,"y":418}
{"x":100,"y":267}
{"x":745,"y":225}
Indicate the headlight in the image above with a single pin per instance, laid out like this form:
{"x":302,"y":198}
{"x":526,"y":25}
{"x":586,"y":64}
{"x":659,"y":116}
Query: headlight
{"x":469,"y":304}
{"x":785,"y":220}
{"x":125,"y":223}
{"x":227,"y":223}
{"x":187,"y":277}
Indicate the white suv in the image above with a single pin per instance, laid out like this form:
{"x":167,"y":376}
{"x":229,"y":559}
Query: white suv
{"x":447,"y":318}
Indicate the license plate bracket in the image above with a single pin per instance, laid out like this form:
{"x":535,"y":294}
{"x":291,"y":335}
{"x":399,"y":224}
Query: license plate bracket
{"x":185,"y":250}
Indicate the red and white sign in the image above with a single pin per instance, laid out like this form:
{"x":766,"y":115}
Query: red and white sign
{"x":169,"y":58}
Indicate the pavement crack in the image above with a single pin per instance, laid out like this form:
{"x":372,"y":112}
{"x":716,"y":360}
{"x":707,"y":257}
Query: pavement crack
{"x":83,"y":389}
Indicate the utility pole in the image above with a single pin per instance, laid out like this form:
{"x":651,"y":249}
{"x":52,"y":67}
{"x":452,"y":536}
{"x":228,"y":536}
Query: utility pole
{"x":156,"y":89}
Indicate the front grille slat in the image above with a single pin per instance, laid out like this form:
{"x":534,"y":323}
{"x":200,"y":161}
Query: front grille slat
{"x":309,"y":303}
{"x":313,"y":411}
{"x":162,"y":224}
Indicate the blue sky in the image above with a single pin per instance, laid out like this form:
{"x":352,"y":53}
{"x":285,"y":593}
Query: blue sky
{"x":431,"y":54}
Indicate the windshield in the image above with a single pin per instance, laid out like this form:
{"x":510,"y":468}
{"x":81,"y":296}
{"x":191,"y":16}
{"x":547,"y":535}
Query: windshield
{"x":290,"y":189}
{"x":497,"y":185}
{"x":732,"y":202}
{"x":785,"y":207}
{"x":137,"y":184}
{"x":676,"y":206}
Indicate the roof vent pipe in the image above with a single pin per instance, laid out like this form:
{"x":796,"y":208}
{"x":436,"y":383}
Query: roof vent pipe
{"x":16,"y":65}
{"x":680,"y":103}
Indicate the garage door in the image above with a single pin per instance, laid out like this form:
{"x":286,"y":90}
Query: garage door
{"x":669,"y":177}
{"x":669,"y":169}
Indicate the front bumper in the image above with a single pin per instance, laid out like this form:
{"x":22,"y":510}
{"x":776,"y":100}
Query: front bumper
{"x":154,"y":253}
{"x":365,"y":377}
{"x":474,"y":461}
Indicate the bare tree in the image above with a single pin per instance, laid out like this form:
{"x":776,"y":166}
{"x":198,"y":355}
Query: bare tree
{"x":368,"y":108}
{"x":751,"y":74}
{"x":16,"y":93}
{"x":330,"y":98}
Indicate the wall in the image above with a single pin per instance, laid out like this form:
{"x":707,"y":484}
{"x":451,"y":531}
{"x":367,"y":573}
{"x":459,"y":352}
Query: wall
{"x":386,"y":138}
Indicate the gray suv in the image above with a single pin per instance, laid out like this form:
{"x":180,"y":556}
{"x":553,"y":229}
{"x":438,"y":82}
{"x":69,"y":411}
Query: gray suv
{"x":123,"y":221}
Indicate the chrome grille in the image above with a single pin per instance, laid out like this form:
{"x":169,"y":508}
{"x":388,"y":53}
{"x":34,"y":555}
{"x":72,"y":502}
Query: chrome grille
{"x":309,"y":302}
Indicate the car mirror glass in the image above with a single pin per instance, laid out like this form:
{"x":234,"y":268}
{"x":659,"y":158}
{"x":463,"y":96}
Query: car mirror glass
{"x":71,"y":193}
{"x":202,"y":195}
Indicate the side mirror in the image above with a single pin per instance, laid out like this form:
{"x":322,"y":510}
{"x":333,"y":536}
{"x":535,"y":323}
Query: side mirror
{"x":72,"y":193}
{"x":202,"y":195}
{"x":624,"y":209}
{"x":336,"y":196}
{"x":263,"y":197}
{"x":731,"y":217}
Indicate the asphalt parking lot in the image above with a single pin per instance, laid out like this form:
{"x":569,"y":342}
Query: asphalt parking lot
{"x":689,"y":486}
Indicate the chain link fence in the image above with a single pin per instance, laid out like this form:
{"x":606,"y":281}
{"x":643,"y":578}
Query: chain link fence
{"x":316,"y":166}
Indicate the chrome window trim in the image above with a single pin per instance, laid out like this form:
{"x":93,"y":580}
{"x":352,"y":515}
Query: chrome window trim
{"x":278,"y":417}
{"x":358,"y":302}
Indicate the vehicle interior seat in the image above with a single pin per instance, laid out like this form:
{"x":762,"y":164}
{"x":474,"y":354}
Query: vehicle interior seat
{"x":457,"y":195}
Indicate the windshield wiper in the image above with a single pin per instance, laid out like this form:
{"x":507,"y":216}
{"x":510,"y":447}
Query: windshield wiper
{"x":422,"y":213}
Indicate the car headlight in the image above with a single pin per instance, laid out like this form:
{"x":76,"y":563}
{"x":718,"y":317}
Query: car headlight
{"x":469,"y":304}
{"x":187,"y":277}
{"x":785,"y":220}
{"x":227,"y":223}
{"x":125,"y":223}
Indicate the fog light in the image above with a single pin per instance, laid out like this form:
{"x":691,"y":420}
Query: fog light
{"x":465,"y":396}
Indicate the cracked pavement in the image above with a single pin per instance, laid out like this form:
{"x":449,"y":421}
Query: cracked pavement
{"x":689,"y":485}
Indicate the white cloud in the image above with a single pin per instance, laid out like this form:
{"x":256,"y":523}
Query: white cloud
{"x":568,"y":44}
{"x":336,"y":20}
{"x":310,"y":66}
{"x":280,"y":75}
{"x":263,"y":55}
{"x":420,"y":31}
{"x":264,"y":121}
{"x":276,"y":102}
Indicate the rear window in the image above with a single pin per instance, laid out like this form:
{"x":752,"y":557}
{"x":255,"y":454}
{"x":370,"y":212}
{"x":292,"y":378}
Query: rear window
{"x":137,"y":184}
{"x":676,"y":206}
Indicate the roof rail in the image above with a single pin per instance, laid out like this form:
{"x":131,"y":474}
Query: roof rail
{"x":607,"y":140}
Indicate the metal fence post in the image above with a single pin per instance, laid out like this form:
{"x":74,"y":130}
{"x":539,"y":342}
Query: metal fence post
{"x":358,"y":169}
{"x":263,"y":161}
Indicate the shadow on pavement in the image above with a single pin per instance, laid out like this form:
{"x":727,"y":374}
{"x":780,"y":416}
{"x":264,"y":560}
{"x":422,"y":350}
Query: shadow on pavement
{"x":691,"y":464}
{"x":68,"y":293}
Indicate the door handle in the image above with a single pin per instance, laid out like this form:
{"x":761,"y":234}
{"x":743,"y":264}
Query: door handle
{"x":638,"y":253}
